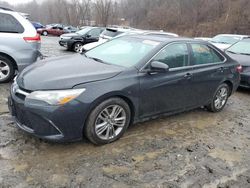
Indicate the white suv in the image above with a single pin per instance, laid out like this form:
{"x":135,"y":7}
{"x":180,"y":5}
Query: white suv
{"x":19,"y":43}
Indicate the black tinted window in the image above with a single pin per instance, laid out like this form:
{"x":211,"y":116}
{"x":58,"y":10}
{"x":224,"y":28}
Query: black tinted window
{"x":202,"y":54}
{"x":111,"y":33}
{"x":174,"y":55}
{"x":8,"y":24}
{"x":95,"y":32}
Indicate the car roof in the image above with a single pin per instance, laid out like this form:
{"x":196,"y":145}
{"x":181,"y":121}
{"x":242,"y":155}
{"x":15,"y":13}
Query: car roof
{"x":165,"y":39}
{"x":232,"y":35}
{"x":246,"y":39}
{"x":5,"y":9}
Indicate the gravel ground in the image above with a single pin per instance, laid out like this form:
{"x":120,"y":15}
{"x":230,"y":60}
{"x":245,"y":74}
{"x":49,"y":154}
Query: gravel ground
{"x":193,"y":149}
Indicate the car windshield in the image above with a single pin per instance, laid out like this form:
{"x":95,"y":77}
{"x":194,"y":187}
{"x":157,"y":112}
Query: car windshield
{"x":226,"y":39}
{"x":125,"y":51}
{"x":84,"y":31}
{"x":242,"y":47}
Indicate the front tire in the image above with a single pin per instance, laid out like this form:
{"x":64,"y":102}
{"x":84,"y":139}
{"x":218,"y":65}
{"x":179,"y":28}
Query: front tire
{"x":108,"y":121}
{"x":219,"y":99}
{"x":7,"y":71}
{"x":77,"y":47}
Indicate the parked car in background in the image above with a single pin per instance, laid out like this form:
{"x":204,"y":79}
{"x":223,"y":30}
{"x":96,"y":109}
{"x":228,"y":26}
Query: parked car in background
{"x":108,"y":34}
{"x":224,"y":41}
{"x":126,"y":80}
{"x":37,"y":25}
{"x":51,"y":30}
{"x":241,"y":53}
{"x":19,"y":46}
{"x":75,"y":41}
{"x":118,"y":32}
{"x":70,"y":29}
{"x":203,"y":38}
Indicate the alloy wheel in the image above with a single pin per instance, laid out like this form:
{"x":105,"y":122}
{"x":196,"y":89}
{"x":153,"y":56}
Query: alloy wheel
{"x":221,"y":98}
{"x":78,"y":47}
{"x":110,"y":122}
{"x":4,"y":70}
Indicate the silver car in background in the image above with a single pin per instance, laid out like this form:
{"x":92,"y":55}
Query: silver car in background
{"x":19,"y":43}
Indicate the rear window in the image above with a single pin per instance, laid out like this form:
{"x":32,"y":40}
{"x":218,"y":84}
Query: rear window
{"x":9,"y":24}
{"x":111,"y":33}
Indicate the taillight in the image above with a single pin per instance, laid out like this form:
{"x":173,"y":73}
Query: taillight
{"x":239,"y":68}
{"x":36,"y":38}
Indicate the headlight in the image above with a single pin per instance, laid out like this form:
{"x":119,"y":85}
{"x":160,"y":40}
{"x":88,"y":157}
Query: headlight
{"x":58,"y":97}
{"x":66,"y":38}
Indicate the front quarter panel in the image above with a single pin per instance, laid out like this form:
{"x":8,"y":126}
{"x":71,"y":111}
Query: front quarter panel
{"x":125,"y":85}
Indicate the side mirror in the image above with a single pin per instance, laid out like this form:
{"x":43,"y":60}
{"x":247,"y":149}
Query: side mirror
{"x":158,"y":67}
{"x":88,"y":35}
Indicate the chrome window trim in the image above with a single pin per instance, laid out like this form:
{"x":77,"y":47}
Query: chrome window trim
{"x":189,"y":66}
{"x":212,"y":47}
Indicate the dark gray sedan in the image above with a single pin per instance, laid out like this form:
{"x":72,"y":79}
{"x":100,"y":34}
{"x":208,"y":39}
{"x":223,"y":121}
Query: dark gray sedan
{"x":241,"y":53}
{"x":130,"y":79}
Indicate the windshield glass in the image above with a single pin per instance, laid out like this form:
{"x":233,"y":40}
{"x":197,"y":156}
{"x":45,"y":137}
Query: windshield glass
{"x":242,"y":47}
{"x":225,"y":39}
{"x":84,"y":31}
{"x":124,"y":51}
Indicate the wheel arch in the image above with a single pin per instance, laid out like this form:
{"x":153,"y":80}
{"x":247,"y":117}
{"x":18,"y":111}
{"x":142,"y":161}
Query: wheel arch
{"x":105,"y":97}
{"x":10,"y":58}
{"x":230,"y":85}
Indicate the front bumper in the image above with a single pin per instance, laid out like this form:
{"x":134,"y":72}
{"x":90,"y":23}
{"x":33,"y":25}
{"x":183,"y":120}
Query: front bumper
{"x":54,"y":123}
{"x":63,"y":43}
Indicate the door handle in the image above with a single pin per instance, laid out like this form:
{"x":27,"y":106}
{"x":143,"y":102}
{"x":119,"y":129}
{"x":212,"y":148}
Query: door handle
{"x":221,"y":69}
{"x":188,"y":76}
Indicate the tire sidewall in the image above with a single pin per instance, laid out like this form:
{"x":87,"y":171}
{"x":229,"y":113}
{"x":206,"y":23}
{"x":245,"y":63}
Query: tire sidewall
{"x":89,"y":130}
{"x":75,"y":45}
{"x":214,"y":97}
{"x":12,"y":70}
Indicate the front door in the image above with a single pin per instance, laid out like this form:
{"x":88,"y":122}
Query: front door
{"x":170,"y":91}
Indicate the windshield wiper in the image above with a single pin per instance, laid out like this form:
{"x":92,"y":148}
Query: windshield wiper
{"x":98,"y":60}
{"x":231,"y":52}
{"x":244,"y":54}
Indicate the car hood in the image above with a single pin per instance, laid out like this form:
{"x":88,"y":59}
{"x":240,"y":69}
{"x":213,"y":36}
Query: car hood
{"x":93,"y":44}
{"x":64,"y":73}
{"x":244,"y":60}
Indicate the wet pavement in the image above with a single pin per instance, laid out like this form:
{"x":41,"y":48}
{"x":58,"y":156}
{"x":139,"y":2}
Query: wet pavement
{"x":192,"y":149}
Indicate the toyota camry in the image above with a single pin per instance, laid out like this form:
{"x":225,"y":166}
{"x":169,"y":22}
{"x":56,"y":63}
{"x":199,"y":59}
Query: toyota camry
{"x":100,"y":93}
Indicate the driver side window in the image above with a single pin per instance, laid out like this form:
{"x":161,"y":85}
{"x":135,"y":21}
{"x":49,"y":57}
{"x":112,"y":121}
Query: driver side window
{"x":174,"y":55}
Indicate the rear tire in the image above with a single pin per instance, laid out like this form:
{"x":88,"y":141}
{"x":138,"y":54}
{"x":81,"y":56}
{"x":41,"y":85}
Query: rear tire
{"x":220,"y":98}
{"x":108,"y":121}
{"x":7,"y":70}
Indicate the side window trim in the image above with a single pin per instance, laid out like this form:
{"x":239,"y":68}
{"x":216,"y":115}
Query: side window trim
{"x":207,"y":64}
{"x":171,"y":69}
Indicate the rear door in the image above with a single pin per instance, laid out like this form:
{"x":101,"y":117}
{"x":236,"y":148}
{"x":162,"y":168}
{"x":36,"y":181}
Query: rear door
{"x":169,"y":91}
{"x":209,"y":71}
